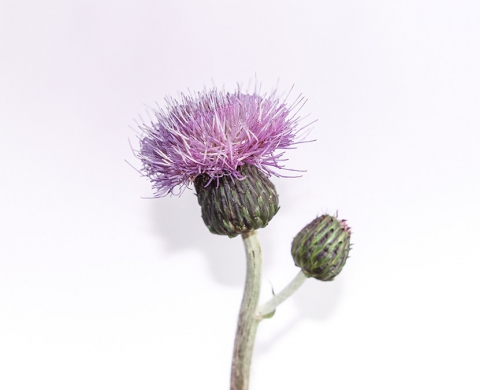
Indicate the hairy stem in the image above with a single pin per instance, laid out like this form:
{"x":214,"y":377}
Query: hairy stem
{"x":268,"y":307}
{"x":247,"y":321}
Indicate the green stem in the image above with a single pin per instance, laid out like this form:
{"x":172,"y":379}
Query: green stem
{"x":270,"y":306}
{"x":247,"y":321}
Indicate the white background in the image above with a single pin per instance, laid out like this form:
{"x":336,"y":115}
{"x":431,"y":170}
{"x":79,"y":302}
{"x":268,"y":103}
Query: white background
{"x":103,"y":289}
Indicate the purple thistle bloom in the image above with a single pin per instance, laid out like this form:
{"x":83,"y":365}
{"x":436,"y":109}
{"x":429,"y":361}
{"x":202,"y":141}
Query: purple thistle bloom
{"x":215,"y":133}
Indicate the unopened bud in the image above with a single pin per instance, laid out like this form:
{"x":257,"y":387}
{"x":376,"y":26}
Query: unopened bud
{"x":321,"y":248}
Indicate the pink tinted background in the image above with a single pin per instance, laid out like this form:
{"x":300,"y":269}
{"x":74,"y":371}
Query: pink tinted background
{"x":102,"y":289}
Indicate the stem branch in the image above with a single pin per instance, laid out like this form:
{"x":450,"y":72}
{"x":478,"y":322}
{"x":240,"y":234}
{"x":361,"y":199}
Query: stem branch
{"x":268,"y":307}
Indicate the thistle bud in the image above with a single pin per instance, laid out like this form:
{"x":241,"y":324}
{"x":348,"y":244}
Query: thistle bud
{"x":232,"y":206}
{"x":321,"y":248}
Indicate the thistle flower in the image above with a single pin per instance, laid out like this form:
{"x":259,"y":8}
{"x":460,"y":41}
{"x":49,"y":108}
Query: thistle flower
{"x":227,"y":145}
{"x":214,"y":133}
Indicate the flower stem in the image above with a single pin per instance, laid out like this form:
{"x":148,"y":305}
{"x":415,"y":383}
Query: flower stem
{"x":268,"y":307}
{"x":247,"y":321}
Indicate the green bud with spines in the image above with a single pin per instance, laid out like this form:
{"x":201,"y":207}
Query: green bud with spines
{"x":232,"y":206}
{"x":321,"y":248}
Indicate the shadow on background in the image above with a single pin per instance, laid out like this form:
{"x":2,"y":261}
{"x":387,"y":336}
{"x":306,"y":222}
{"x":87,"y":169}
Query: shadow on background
{"x":315,"y":300}
{"x":179,"y":225}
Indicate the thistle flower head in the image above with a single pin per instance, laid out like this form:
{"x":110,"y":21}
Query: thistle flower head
{"x":214,"y":133}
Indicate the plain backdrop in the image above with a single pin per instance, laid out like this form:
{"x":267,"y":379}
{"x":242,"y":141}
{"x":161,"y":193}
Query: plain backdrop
{"x":103,"y":288}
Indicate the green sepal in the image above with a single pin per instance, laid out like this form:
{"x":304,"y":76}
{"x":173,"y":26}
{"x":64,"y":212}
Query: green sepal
{"x":269,"y":315}
{"x":232,"y":206}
